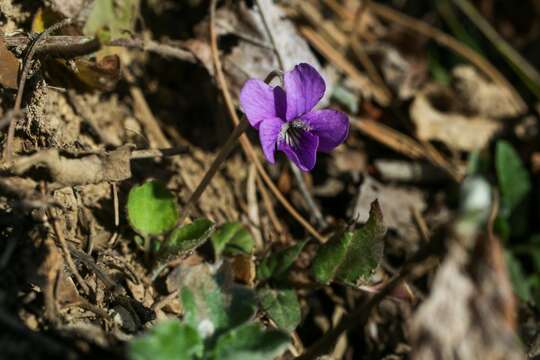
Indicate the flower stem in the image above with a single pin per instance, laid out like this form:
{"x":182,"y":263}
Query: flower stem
{"x":220,"y":158}
{"x":310,"y":202}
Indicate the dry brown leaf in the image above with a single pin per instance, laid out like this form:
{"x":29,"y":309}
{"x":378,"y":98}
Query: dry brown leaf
{"x":396,"y":204}
{"x":435,"y":114}
{"x":483,"y":97}
{"x":473,"y":298}
{"x":9,"y":67}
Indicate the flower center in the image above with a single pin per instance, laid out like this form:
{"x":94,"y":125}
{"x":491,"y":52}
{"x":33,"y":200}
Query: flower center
{"x":291,"y":132}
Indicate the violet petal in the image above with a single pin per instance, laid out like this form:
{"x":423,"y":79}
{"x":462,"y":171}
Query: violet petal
{"x":268,"y":134}
{"x":331,"y":126}
{"x":260,"y":101}
{"x":304,"y":154}
{"x":304,"y":87}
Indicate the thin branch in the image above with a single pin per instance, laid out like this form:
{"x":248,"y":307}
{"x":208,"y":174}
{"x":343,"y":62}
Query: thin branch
{"x":155,"y":47}
{"x":61,"y":46}
{"x":310,"y":202}
{"x":67,"y":254}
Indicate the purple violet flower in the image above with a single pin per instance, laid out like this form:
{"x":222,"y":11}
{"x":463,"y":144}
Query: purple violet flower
{"x":286,"y":119}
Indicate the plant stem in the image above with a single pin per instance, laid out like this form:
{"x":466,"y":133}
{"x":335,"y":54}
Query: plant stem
{"x":220,"y":158}
{"x":310,"y":202}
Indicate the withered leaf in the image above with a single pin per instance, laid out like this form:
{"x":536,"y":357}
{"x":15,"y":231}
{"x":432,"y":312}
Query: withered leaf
{"x":9,"y":67}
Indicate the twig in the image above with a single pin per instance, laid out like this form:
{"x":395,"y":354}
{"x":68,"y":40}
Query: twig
{"x":244,"y":141}
{"x":343,"y":64}
{"x":359,"y":317}
{"x":153,"y":153}
{"x":62,"y":46}
{"x":91,"y":265}
{"x":310,"y":202}
{"x":522,"y":67}
{"x":67,"y":254}
{"x":420,"y":224}
{"x":359,"y":51}
{"x":268,"y":205}
{"x":24,"y":74}
{"x":404,"y":145}
{"x":145,"y":115}
{"x":155,"y":47}
{"x":165,"y":300}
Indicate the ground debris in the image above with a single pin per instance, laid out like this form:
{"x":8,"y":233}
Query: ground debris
{"x":90,"y":169}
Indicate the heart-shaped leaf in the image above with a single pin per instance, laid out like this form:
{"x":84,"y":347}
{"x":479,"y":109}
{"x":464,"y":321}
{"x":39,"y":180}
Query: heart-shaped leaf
{"x":514,"y":181}
{"x":250,"y":341}
{"x":213,"y":303}
{"x":186,"y":238}
{"x":282,"y":306}
{"x":232,"y":239}
{"x":167,"y":341}
{"x":151,"y":209}
{"x":351,"y":257}
{"x":277,"y":264}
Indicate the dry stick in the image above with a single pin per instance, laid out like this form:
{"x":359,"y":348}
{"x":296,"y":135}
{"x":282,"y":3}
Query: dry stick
{"x":359,"y":51}
{"x":153,"y":153}
{"x":359,"y":317}
{"x":155,"y":47}
{"x":521,"y":66}
{"x":26,"y":68}
{"x":310,"y":201}
{"x":67,"y":254}
{"x":246,"y":145}
{"x":64,"y":46}
{"x":342,"y":63}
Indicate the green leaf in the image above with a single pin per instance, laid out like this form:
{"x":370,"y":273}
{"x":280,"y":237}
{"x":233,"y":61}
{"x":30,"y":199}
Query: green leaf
{"x":113,"y":18}
{"x":277,"y":264}
{"x":352,"y":257}
{"x":187,"y":237}
{"x":151,"y":209}
{"x":232,"y":239}
{"x":282,"y":306}
{"x":169,"y":340}
{"x":250,"y":342}
{"x":212,"y":303}
{"x":517,"y":277}
{"x":513,"y":178}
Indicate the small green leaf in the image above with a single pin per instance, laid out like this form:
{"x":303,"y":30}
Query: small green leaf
{"x":187,"y":237}
{"x":512,"y":175}
{"x":113,"y":18}
{"x":282,"y":306}
{"x":213,"y":304}
{"x":169,"y":340}
{"x":517,"y":277}
{"x":250,"y":342}
{"x":232,"y":239}
{"x":151,"y":208}
{"x":277,"y":264}
{"x":352,"y":257}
